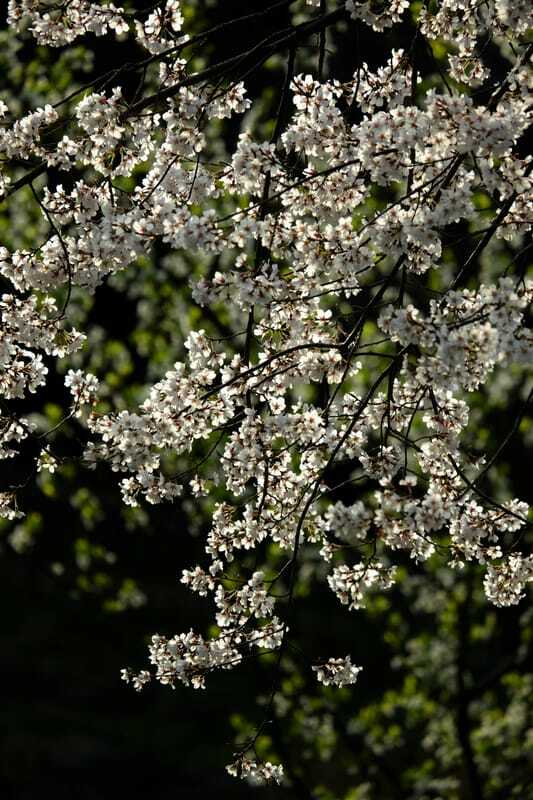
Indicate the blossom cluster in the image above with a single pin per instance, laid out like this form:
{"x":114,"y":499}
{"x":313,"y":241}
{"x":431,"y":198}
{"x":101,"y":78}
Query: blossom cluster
{"x":263,"y":420}
{"x":337,"y":672}
{"x":58,"y":25}
{"x":258,"y":772}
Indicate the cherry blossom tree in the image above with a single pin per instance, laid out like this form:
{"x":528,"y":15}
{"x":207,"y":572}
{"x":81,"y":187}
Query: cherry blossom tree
{"x":360,"y":284}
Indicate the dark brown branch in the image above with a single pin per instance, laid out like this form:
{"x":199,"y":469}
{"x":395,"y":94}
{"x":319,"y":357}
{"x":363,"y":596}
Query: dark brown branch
{"x":290,"y":40}
{"x":26,"y":179}
{"x":464,"y":272}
